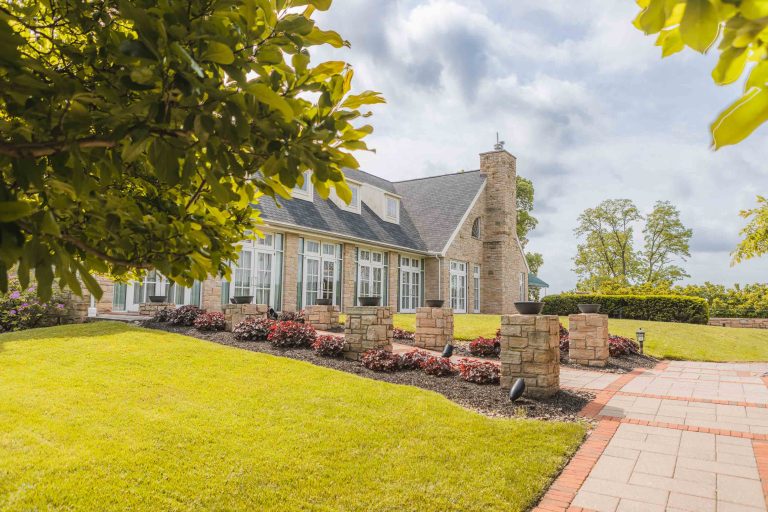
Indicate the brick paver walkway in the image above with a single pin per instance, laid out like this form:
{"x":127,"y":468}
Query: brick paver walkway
{"x":681,"y":437}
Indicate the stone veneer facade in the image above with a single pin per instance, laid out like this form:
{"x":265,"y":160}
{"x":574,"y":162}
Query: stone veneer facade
{"x":530,"y":349}
{"x":588,"y":339}
{"x":749,"y":323}
{"x":236,"y":313}
{"x":323,"y":318}
{"x":367,"y":328}
{"x":434,"y":328}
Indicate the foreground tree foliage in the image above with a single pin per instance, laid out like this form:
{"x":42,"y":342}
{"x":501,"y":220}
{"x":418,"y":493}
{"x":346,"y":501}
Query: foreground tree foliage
{"x":525,"y":221}
{"x":136,"y":134}
{"x":741,"y":27}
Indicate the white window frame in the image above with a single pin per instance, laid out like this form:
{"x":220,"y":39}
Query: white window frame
{"x":476,"y":288}
{"x":368,"y":263}
{"x":305,"y":191}
{"x":410,"y":268}
{"x":325,"y":254}
{"x":458,"y":286}
{"x":262,"y":248}
{"x":355,"y":205}
{"x":387,"y":199}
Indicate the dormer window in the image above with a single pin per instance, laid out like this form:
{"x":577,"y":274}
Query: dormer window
{"x":354,"y":203}
{"x":477,"y":229}
{"x":303,"y":190}
{"x":393,"y":209}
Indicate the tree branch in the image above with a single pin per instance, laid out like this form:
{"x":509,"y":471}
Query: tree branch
{"x":39,"y":149}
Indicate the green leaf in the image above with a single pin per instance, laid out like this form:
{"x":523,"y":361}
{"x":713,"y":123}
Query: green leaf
{"x":218,"y":53}
{"x":754,"y":9}
{"x":652,"y":18}
{"x":366,"y":98}
{"x":181,"y":52}
{"x":758,"y":77}
{"x":330,"y":37}
{"x":730,"y":66}
{"x":670,"y":42}
{"x":266,"y":95}
{"x":14,"y":210}
{"x":700,"y":24}
{"x":343,"y":191}
{"x":740,"y":119}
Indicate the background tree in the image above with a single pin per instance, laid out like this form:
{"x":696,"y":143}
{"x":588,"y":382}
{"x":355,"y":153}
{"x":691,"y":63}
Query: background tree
{"x":137,"y":134}
{"x":665,"y":239}
{"x":741,"y":26}
{"x":527,"y":222}
{"x":606,"y":252}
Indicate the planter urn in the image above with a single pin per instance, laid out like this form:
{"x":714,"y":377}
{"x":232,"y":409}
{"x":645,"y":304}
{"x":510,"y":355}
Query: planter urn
{"x":529,"y":308}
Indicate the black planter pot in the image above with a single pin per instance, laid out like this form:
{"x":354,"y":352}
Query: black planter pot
{"x":241,"y":299}
{"x":435,"y":303}
{"x":370,"y":301}
{"x":156,"y":299}
{"x":589,"y":308}
{"x":324,"y":302}
{"x":529,"y":308}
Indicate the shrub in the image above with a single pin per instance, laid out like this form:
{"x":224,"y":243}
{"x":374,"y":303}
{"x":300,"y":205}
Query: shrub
{"x":22,"y":309}
{"x":621,"y":346}
{"x":380,"y":360}
{"x":485,"y":347}
{"x":210,"y":322}
{"x":253,"y":329}
{"x":291,"y":316}
{"x":291,"y":334}
{"x":479,"y":372}
{"x":414,"y":360}
{"x":438,"y":366}
{"x":402,"y":334}
{"x":185,"y":315}
{"x":163,"y":315}
{"x":565,"y":338}
{"x":660,"y":308}
{"x":329,"y":346}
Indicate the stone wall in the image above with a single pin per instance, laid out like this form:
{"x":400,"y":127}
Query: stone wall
{"x":367,"y":328}
{"x":751,"y":323}
{"x":323,"y":318}
{"x":151,"y":308}
{"x":434,"y":327}
{"x":236,"y":313}
{"x":530,"y":349}
{"x":588,"y":339}
{"x":290,"y":271}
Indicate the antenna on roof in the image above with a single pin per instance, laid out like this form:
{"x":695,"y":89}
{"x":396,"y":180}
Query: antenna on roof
{"x":499,"y":146}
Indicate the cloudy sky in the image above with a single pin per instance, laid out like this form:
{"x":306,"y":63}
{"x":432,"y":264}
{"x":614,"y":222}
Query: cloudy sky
{"x":582,"y":99}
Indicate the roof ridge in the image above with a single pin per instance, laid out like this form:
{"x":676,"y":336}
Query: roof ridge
{"x":438,"y":176}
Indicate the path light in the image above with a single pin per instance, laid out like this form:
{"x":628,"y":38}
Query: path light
{"x":448,"y":350}
{"x":517,"y":389}
{"x":640,"y":338}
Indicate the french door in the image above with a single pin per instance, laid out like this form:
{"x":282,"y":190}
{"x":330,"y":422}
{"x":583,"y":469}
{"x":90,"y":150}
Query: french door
{"x":321,"y":272}
{"x":410,"y":284}
{"x":459,"y":286}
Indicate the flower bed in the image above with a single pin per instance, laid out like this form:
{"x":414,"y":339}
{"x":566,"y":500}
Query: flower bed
{"x":253,"y":329}
{"x":291,"y":334}
{"x":329,"y":346}
{"x":210,"y":322}
{"x":485,"y":347}
{"x":479,"y":372}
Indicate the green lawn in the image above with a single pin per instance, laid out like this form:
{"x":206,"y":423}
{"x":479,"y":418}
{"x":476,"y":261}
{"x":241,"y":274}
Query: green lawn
{"x":663,"y":339}
{"x":105,"y":416}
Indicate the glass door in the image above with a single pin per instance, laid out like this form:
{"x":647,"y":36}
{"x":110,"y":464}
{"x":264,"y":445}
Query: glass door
{"x":410,"y":284}
{"x":459,"y":286}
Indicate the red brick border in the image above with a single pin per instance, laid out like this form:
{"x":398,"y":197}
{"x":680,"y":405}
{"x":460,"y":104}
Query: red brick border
{"x":761,"y":456}
{"x":561,"y":493}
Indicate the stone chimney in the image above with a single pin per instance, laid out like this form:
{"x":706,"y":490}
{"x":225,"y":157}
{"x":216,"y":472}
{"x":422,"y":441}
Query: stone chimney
{"x":500,"y":280}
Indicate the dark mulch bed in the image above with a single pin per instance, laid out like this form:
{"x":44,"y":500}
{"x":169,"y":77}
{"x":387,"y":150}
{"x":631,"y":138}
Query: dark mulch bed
{"x":623,"y":364}
{"x":490,"y":400}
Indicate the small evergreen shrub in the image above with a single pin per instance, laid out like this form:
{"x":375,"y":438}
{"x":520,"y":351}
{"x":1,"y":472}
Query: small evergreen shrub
{"x":210,"y":321}
{"x":291,"y":334}
{"x":329,"y":346}
{"x":414,"y":360}
{"x":660,"y":308}
{"x":479,"y":372}
{"x":253,"y":329}
{"x":185,"y":315}
{"x":485,"y":347}
{"x":380,"y":360}
{"x":402,"y":334}
{"x":438,"y":366}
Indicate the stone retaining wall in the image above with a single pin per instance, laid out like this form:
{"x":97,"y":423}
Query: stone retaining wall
{"x":752,"y":323}
{"x":323,"y":318}
{"x":434,"y":328}
{"x":530,"y":349}
{"x":236,"y":313}
{"x":588,"y":339}
{"x":367,"y":328}
{"x":151,"y":308}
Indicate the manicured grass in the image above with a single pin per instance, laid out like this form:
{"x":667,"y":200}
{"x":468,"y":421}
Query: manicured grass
{"x":106,"y":416}
{"x":663,"y":339}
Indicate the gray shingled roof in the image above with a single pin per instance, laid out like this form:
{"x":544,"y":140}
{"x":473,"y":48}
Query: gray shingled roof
{"x":431,"y":209}
{"x":438,"y":204}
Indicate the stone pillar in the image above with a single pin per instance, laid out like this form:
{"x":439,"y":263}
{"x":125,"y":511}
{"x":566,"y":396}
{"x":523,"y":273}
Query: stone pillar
{"x":323,"y":318}
{"x":236,"y":313}
{"x":367,"y":328}
{"x":588,"y":343}
{"x":151,"y":308}
{"x":434,"y":328}
{"x":530,"y":349}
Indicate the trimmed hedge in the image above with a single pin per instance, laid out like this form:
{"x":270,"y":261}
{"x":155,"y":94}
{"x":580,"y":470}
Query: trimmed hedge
{"x":660,"y":308}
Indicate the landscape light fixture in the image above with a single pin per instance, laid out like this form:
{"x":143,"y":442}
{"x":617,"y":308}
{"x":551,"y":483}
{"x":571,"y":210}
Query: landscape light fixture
{"x":640,"y":338}
{"x":517,"y":389}
{"x":448,"y":350}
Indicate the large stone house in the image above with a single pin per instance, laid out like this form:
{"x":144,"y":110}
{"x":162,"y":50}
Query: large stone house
{"x":448,"y":237}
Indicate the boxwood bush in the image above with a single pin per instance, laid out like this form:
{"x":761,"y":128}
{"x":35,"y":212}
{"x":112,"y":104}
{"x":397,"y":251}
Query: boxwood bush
{"x":660,"y":308}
